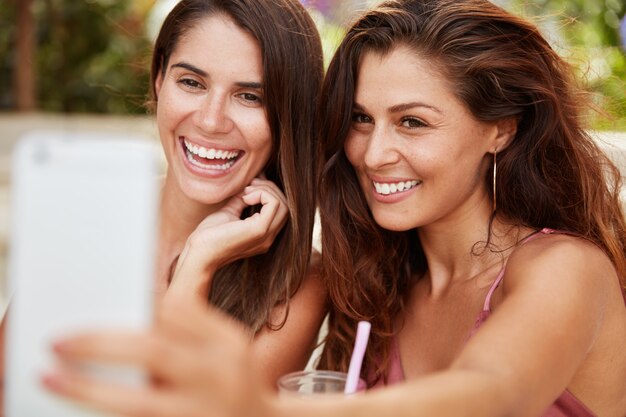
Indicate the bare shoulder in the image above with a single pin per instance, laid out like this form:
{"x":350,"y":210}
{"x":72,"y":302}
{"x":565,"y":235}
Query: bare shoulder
{"x":310,"y":299}
{"x":287,"y":349}
{"x":562,"y":264}
{"x":560,"y":309}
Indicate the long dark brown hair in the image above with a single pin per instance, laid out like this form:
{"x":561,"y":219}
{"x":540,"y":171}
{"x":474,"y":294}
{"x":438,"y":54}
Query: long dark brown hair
{"x":551,"y":175}
{"x":292,"y":75}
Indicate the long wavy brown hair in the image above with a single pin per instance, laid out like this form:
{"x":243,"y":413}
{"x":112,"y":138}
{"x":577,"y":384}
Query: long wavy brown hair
{"x":292,"y":76}
{"x":551,"y":175}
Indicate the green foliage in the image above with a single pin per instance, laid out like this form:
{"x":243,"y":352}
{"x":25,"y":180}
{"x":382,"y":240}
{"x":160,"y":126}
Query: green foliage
{"x":91,"y":57}
{"x":7,"y":34}
{"x":587,"y":34}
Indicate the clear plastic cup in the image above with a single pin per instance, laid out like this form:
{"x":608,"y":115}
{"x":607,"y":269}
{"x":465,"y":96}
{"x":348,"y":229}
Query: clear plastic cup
{"x":308,"y":383}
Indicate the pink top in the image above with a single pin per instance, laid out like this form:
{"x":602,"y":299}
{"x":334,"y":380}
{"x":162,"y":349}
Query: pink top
{"x":567,"y":405}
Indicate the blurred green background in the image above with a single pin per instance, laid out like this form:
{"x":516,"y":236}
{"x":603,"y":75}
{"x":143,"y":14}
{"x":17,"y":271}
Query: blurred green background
{"x":92,"y":56}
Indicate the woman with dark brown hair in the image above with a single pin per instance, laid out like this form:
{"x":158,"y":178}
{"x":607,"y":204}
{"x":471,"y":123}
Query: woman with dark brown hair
{"x":466,"y":214}
{"x":235,"y":85}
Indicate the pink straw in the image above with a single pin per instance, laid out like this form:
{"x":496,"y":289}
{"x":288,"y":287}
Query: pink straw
{"x":360,"y":343}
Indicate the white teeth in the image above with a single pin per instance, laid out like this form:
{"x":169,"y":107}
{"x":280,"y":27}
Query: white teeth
{"x":210,"y":153}
{"x":396,"y":187}
{"x":197,"y":163}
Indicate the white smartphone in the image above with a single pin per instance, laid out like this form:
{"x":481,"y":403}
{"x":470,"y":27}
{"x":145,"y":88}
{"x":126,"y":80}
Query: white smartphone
{"x":81,"y":252}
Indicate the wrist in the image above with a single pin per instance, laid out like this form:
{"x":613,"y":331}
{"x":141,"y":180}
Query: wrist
{"x":201,"y":255}
{"x":192,"y":275}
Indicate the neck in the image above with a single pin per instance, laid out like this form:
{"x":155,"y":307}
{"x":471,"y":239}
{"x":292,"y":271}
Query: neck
{"x":179,"y":214}
{"x":179,"y":217}
{"x":455,"y":251}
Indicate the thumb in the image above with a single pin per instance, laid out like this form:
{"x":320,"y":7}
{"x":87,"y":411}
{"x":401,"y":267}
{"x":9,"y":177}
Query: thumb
{"x":235,"y":205}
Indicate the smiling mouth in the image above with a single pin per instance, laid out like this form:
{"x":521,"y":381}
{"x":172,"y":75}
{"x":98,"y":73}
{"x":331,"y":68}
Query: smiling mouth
{"x":387,"y":188}
{"x":209,"y":158}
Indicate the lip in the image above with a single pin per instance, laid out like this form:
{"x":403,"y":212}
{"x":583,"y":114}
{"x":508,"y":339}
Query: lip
{"x":393,"y":197}
{"x":201,"y":171}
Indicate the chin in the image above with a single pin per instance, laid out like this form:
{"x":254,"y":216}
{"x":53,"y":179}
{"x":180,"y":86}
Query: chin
{"x":206,"y":195}
{"x":393,"y":224}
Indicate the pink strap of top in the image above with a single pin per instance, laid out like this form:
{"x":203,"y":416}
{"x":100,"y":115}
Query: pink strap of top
{"x":496,"y":283}
{"x":567,"y":405}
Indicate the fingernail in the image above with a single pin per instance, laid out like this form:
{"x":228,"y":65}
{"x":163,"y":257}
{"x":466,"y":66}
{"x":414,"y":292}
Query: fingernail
{"x":61,"y":347}
{"x":53,"y":382}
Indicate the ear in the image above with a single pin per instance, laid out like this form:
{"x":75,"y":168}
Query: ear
{"x":158,"y":82}
{"x":505,"y":132}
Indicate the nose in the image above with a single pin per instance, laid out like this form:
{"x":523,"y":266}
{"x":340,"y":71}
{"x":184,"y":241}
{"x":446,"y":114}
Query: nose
{"x":213,"y":115}
{"x":381,"y":149}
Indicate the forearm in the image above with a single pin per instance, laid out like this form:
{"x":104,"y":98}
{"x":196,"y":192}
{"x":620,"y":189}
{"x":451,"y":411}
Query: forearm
{"x":450,"y":393}
{"x":192,"y":276}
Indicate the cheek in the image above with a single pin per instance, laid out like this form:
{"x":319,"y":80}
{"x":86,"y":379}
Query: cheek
{"x":260,"y":144}
{"x":163,"y":122}
{"x":260,"y":137}
{"x":168,"y":110}
{"x":264,"y":152}
{"x":354,"y":151}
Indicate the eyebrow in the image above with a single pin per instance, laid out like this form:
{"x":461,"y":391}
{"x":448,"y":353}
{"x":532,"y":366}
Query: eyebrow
{"x":402,"y":107}
{"x":191,"y":68}
{"x":202,"y":73}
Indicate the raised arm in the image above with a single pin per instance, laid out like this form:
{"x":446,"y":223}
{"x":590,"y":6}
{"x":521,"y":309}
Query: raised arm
{"x":223,"y":237}
{"x":553,"y":315}
{"x":552,"y":322}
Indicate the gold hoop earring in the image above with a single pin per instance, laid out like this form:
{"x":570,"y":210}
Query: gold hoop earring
{"x":495,"y":170}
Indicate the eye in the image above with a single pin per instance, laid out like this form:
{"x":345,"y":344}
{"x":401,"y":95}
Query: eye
{"x":361,"y":118}
{"x":251,"y":98}
{"x":190,"y":84}
{"x":412,"y":122}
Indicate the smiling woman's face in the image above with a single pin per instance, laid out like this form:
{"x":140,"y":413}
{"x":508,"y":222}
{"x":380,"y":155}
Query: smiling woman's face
{"x":211,"y":114}
{"x":419,"y":154}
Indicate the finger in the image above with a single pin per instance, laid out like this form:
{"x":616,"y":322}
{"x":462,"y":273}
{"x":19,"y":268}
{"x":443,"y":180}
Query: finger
{"x":272,"y":217}
{"x":267,"y":197}
{"x":268,"y":185}
{"x":167,"y":359}
{"x":263,"y":197}
{"x":260,"y":226}
{"x":231,"y":210}
{"x":235,"y":205}
{"x":117,"y":399}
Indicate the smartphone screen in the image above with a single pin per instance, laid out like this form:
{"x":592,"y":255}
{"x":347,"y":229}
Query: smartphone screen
{"x":81,"y":252}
